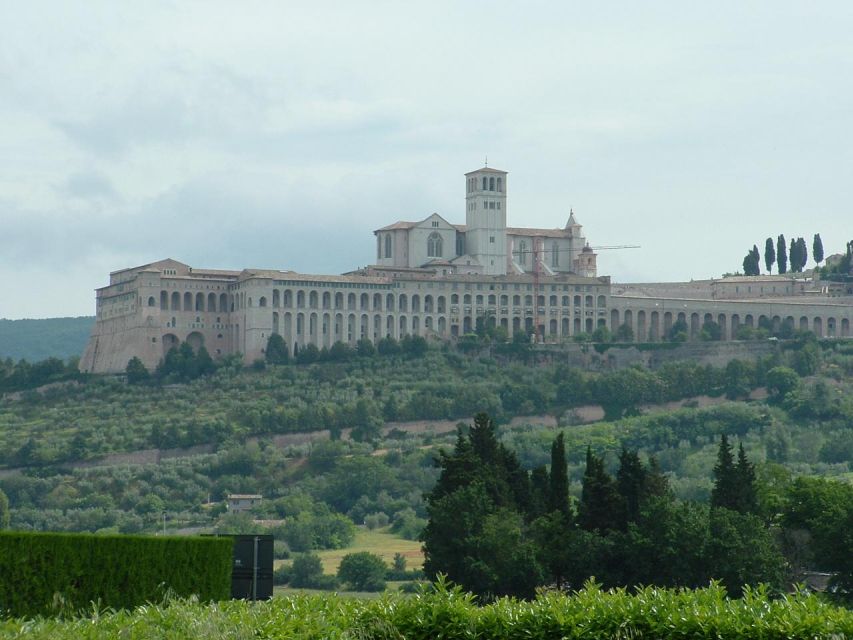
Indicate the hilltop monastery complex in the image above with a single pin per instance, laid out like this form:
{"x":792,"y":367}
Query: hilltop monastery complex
{"x":434,"y":278}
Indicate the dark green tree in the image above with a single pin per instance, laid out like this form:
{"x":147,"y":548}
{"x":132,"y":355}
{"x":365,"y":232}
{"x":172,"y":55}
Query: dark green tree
{"x":679,"y":331}
{"x":741,"y":551}
{"x":136,"y":371}
{"x":780,"y":382}
{"x":725,"y":491}
{"x":363,"y":571}
{"x":388,"y":346}
{"x":631,"y":484}
{"x":600,"y":503}
{"x":540,"y":489}
{"x":307,"y":354}
{"x":657,"y":484}
{"x":781,"y":254}
{"x":203,"y":362}
{"x":747,"y":499}
{"x":550,"y":533}
{"x":340,"y":351}
{"x":769,"y":254}
{"x":476,"y":533}
{"x":751,"y":264}
{"x":364,"y":348}
{"x":711,"y":331}
{"x":802,"y":253}
{"x":624,"y":333}
{"x":817,"y":249}
{"x":558,"y":494}
{"x":306,"y":571}
{"x":276,"y":351}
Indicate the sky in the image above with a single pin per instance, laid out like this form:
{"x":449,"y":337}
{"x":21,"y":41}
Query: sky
{"x":280,"y":134}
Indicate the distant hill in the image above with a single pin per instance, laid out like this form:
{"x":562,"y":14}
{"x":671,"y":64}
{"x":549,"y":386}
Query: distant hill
{"x":39,"y":339}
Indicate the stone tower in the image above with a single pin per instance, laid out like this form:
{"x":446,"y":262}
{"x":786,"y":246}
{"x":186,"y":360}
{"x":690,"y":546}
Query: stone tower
{"x":485,"y":218}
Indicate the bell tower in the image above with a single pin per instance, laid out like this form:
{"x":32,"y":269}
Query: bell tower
{"x":485,"y":217}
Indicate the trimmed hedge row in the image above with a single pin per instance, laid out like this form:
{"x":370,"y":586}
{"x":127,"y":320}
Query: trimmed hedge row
{"x":46,"y":573}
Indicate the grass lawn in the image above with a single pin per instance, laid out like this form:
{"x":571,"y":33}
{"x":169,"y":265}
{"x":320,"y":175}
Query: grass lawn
{"x":380,"y":542}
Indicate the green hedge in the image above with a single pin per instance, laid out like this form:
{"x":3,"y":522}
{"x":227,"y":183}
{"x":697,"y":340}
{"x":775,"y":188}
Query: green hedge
{"x":591,"y":614}
{"x":43,"y":573}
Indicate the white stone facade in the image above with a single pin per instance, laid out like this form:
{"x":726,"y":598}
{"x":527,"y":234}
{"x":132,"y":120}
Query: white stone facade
{"x":432,"y":279}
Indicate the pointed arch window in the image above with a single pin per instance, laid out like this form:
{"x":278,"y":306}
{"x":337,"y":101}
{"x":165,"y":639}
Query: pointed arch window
{"x":434,"y":248}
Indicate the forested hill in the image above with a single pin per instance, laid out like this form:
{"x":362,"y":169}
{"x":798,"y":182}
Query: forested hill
{"x":35,"y":340}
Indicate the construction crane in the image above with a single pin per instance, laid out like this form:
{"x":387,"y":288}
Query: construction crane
{"x":538,"y":251}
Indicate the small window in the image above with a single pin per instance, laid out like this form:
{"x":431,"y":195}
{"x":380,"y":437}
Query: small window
{"x":485,"y":183}
{"x":485,"y":205}
{"x":491,"y":184}
{"x":500,"y":184}
{"x":491,"y":205}
{"x":491,"y":239}
{"x":499,"y":206}
{"x":435,"y":223}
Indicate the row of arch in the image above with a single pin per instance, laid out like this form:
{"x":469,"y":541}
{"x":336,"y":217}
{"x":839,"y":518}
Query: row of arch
{"x":324,"y":329}
{"x":416,"y":303}
{"x":489,"y":183}
{"x":655,"y":325}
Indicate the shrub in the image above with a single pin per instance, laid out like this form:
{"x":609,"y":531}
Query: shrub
{"x":306,"y":570}
{"x":113,"y":570}
{"x":363,"y":571}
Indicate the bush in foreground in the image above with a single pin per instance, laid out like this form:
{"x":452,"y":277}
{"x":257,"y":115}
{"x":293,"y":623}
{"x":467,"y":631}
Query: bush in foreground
{"x":449,"y":613}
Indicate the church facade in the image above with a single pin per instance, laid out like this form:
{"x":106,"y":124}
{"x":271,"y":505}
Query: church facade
{"x":431,"y":278}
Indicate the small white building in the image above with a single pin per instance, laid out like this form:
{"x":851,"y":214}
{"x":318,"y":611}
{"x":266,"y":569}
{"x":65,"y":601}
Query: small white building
{"x":240,"y":502}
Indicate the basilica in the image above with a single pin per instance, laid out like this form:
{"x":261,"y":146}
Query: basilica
{"x":435,"y":279}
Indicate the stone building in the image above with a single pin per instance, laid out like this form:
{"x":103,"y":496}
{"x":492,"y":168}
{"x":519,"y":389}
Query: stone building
{"x":435,"y":279}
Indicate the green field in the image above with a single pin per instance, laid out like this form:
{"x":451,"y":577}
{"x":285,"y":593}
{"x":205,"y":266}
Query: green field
{"x":379,"y":542}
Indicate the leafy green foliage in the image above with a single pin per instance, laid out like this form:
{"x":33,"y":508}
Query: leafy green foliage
{"x":363,"y":571}
{"x":276,"y":351}
{"x":115,"y":571}
{"x":446,"y":612}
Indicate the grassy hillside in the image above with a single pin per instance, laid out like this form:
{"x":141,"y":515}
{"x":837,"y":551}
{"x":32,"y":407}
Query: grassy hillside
{"x":35,"y":340}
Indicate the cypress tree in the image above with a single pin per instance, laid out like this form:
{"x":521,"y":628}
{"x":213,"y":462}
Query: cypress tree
{"x":725,"y":490}
{"x":769,"y":254}
{"x":657,"y":484}
{"x":803,"y":252}
{"x":781,"y":254}
{"x":599,"y":508}
{"x":559,"y":486}
{"x":817,"y":249}
{"x":539,"y":492}
{"x":745,"y":477}
{"x":631,"y":483}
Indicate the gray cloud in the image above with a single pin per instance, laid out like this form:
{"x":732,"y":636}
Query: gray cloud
{"x":270,"y":136}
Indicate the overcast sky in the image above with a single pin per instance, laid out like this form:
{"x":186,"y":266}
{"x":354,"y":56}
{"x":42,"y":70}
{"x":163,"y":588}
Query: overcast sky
{"x":279,"y":135}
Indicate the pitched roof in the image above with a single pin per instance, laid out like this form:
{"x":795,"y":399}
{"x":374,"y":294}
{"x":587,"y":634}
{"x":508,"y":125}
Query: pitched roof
{"x":485,"y":169}
{"x":529,"y":231}
{"x":400,"y":224}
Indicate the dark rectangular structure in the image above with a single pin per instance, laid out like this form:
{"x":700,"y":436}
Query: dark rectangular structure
{"x":252,"y":567}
